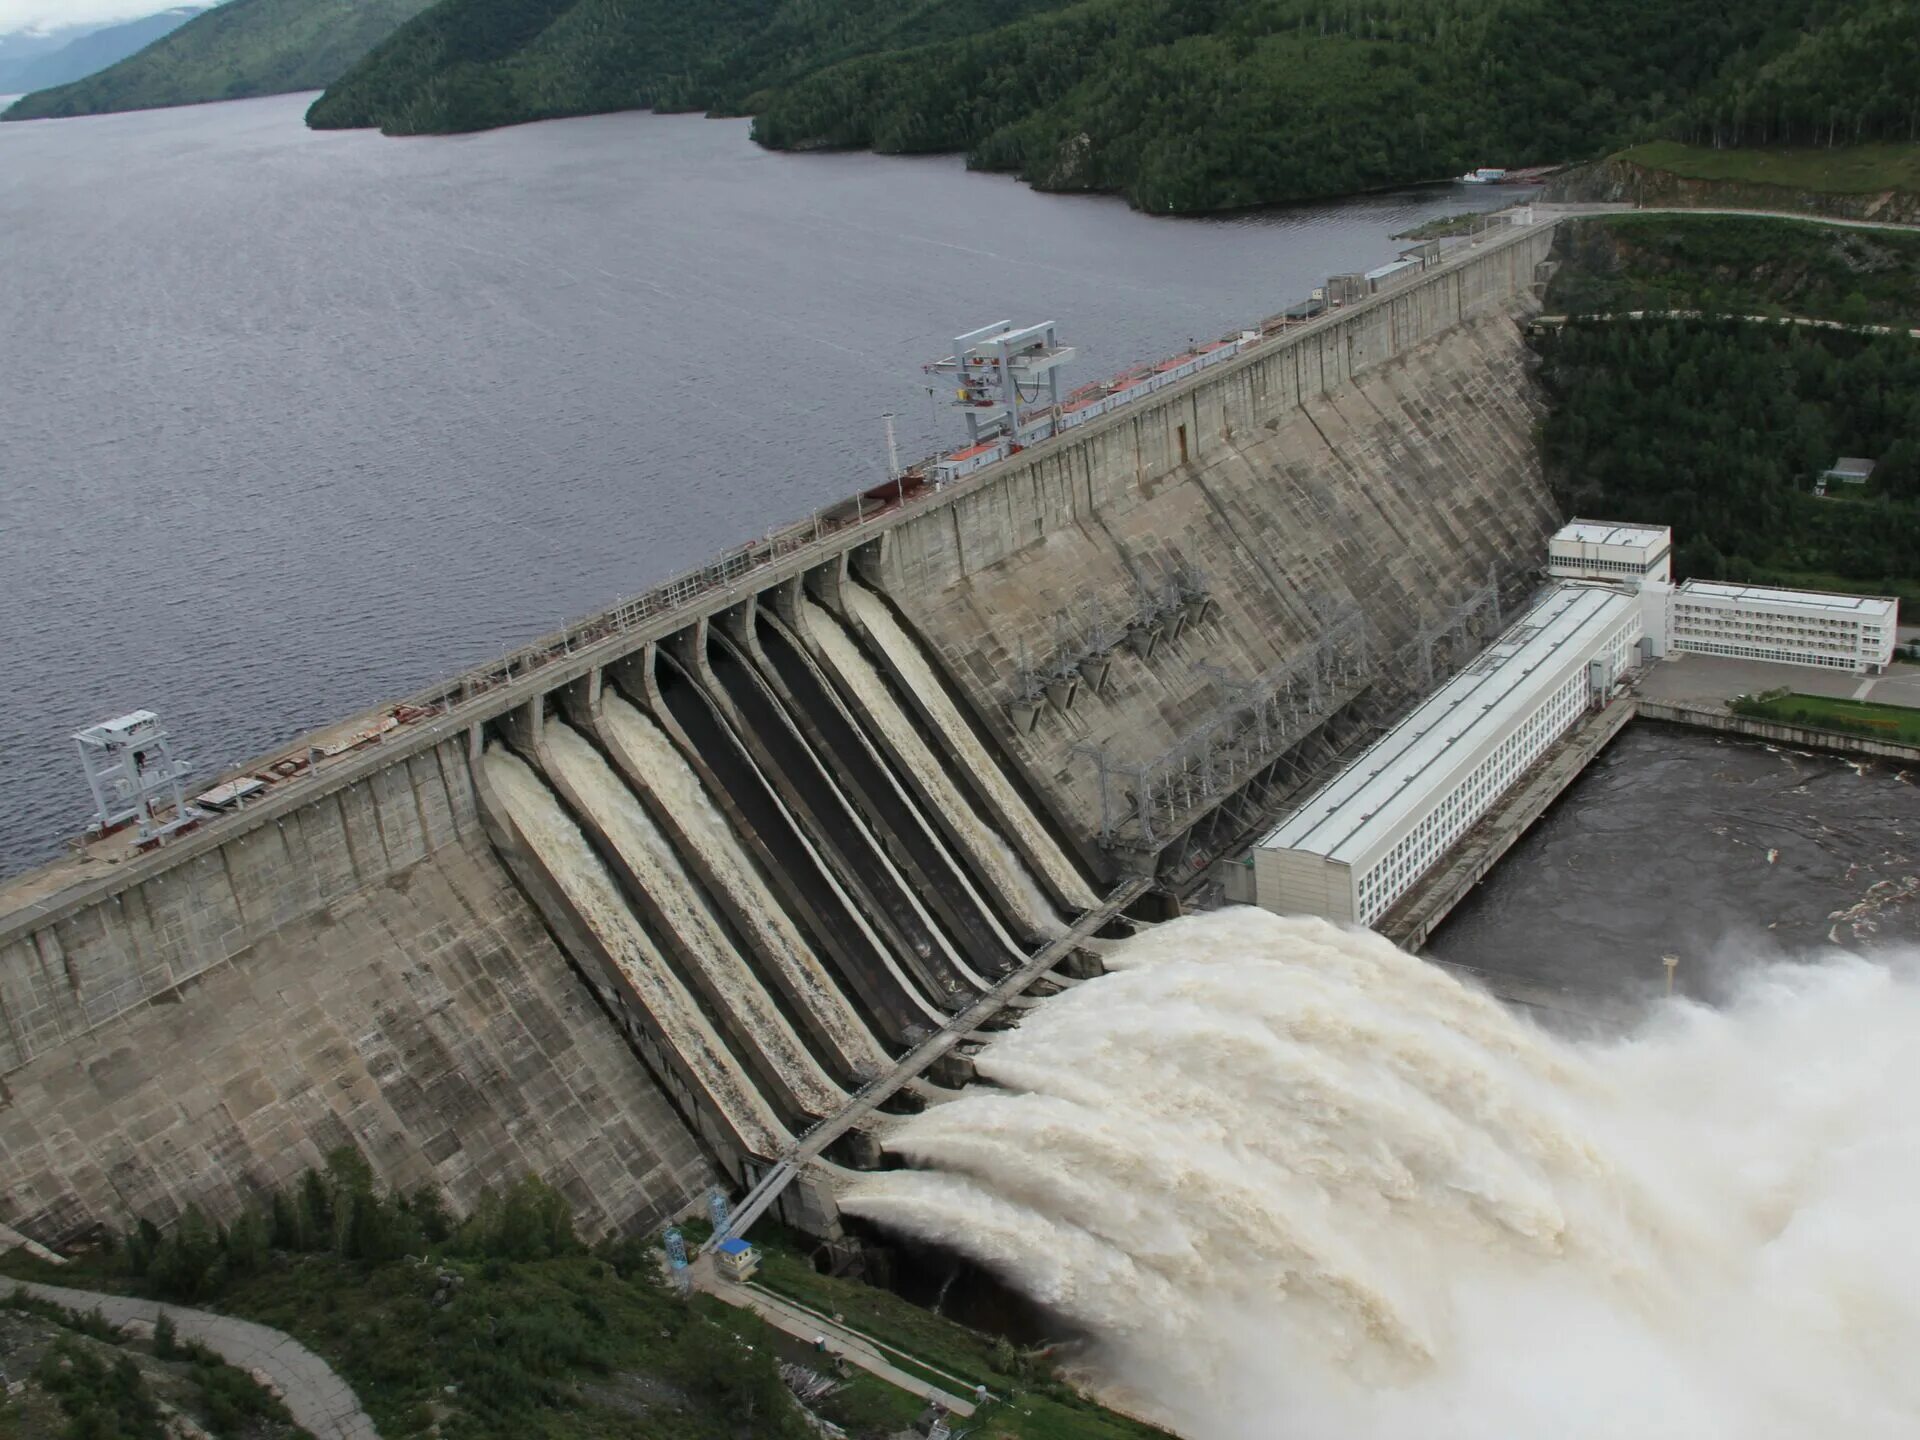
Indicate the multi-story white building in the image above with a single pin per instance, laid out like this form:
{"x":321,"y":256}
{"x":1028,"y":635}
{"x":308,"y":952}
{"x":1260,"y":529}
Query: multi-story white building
{"x":1794,"y":627}
{"x":1602,"y":550}
{"x":1357,"y":844}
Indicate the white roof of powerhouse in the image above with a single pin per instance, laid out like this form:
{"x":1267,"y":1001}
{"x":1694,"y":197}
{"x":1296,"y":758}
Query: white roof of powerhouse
{"x":1396,"y":775}
{"x":1605,"y":532}
{"x":1808,"y":602}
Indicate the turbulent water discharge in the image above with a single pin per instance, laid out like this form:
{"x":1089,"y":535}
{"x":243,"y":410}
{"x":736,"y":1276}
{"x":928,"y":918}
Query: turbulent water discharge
{"x":1293,"y":1182}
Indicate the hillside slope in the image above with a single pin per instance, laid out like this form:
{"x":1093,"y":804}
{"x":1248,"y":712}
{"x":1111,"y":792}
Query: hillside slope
{"x":474,"y":64}
{"x":93,"y":51}
{"x":1178,"y":104}
{"x":245,"y":47}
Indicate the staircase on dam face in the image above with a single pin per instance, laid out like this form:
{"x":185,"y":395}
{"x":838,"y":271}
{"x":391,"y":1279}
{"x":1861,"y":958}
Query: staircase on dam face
{"x":776,"y":882}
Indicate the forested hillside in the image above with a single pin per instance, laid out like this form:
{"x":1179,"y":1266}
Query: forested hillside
{"x":471,"y":64}
{"x":1736,"y":265}
{"x":1718,"y":429}
{"x":1178,"y":104}
{"x":245,"y":47}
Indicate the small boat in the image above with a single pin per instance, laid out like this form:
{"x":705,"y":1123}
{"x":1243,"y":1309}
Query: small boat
{"x":1485,"y":175}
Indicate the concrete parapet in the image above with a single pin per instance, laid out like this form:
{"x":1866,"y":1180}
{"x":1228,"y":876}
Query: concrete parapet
{"x":1807,"y":737}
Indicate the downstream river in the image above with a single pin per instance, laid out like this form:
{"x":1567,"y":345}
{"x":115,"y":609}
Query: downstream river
{"x":299,"y":422}
{"x":1723,"y":852}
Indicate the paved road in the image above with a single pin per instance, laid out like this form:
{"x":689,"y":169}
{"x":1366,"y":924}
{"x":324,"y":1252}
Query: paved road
{"x":808,"y":1325}
{"x":1712,"y":680}
{"x":1547,"y":211}
{"x":320,"y":1401}
{"x":1804,"y":321}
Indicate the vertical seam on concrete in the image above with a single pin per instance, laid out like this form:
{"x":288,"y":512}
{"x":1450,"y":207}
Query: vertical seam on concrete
{"x":427,"y":845}
{"x":239,"y":908}
{"x":959,"y":544}
{"x":303,"y":857}
{"x":346,"y":834}
{"x":54,"y":987}
{"x":446,"y":784}
{"x":15,"y":1042}
{"x":138,"y":893}
{"x":293,"y":863}
{"x":379,"y":825}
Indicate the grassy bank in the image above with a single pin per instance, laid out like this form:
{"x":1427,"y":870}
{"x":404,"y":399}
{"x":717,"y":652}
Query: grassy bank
{"x":1822,"y":712}
{"x":1843,"y":170}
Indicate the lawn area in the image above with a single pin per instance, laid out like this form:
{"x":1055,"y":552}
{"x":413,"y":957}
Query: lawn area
{"x":1845,"y":170}
{"x":1821,"y":712}
{"x":469,"y":1349}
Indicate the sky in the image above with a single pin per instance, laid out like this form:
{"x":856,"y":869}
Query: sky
{"x":54,"y":14}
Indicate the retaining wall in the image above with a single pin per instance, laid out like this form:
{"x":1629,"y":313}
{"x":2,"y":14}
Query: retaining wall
{"x":1804,"y":736}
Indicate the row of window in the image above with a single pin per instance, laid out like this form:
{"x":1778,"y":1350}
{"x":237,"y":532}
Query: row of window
{"x":1391,"y":876}
{"x":1616,"y":567}
{"x":1395,"y":872}
{"x":1774,"y":638}
{"x":1773,"y":620}
{"x":1765,"y":652}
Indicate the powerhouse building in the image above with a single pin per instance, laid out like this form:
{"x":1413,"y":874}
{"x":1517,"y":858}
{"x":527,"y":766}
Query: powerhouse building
{"x":1359,"y":843}
{"x":1795,"y":627}
{"x":1602,"y":550}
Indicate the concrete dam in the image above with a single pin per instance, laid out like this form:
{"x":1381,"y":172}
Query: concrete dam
{"x":639,"y":907}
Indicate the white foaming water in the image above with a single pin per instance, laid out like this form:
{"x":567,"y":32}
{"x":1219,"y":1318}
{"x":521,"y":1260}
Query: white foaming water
{"x":649,"y":855}
{"x":994,"y":855}
{"x":597,"y":899}
{"x":653,"y":757}
{"x":905,"y":653}
{"x":1296,"y":1183}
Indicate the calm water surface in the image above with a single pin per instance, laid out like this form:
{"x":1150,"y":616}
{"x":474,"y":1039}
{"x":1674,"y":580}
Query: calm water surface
{"x":1724,"y":852}
{"x":298,"y":422}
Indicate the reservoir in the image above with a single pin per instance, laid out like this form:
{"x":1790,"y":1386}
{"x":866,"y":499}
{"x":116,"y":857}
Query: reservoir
{"x":299,"y":422}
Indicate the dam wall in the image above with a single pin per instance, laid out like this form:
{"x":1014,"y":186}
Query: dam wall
{"x":469,"y":980}
{"x":1159,"y":565}
{"x":359,"y":970}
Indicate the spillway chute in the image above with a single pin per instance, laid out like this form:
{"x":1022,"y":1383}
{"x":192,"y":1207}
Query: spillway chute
{"x":910,"y":662}
{"x":565,"y":855}
{"x":738,"y":997}
{"x":816,"y":867}
{"x":652,"y":756}
{"x":991,"y":856}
